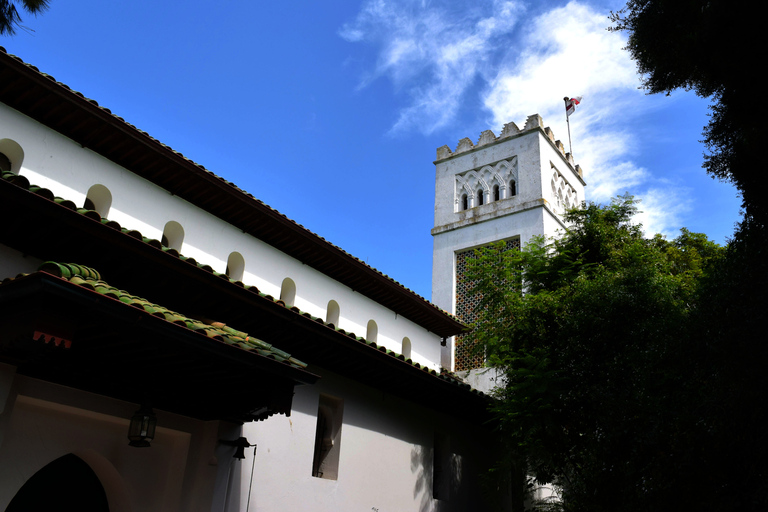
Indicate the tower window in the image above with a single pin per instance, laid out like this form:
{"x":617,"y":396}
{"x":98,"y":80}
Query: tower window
{"x":464,"y":202}
{"x":480,"y":197}
{"x":495,"y":192}
{"x":512,"y":188}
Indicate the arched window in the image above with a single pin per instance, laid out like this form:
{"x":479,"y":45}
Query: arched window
{"x":99,"y":199}
{"x":480,"y":197}
{"x":11,"y":156}
{"x":512,"y":188}
{"x":406,"y":350}
{"x":372,"y":333}
{"x":288,"y":292}
{"x":332,"y":313}
{"x":173,"y":235}
{"x":235,"y":266}
{"x":464,"y":202}
{"x":496,"y":196}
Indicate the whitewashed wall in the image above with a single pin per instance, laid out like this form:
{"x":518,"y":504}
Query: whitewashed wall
{"x":385,"y":463}
{"x":68,"y":170}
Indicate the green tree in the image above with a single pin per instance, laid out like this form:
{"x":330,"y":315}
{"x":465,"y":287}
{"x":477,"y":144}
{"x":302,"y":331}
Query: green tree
{"x":10,"y":17}
{"x":706,"y":46}
{"x":593,"y":354}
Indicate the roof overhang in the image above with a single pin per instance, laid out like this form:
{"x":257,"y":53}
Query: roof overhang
{"x":60,"y":332}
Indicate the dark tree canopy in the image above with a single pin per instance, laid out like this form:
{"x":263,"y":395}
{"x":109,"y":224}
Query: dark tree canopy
{"x":603,"y":388}
{"x":708,"y":46}
{"x":10,"y":17}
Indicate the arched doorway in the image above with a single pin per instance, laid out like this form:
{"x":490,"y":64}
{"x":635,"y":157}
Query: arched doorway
{"x":67,"y":483}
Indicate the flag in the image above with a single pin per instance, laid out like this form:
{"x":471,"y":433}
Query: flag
{"x":571,"y":104}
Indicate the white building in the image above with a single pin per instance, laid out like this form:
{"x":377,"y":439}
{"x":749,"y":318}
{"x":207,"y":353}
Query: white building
{"x":507,"y":188}
{"x":168,"y":287}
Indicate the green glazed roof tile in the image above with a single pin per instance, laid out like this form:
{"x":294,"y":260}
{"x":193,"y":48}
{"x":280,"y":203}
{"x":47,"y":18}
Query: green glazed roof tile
{"x":89,"y":278}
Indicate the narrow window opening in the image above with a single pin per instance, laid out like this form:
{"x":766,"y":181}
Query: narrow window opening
{"x":406,"y":350}
{"x":173,"y":235}
{"x":464,"y":202}
{"x":512,"y":188}
{"x":496,"y":193}
{"x":325,"y":462}
{"x":288,"y":292}
{"x":480,"y":197}
{"x":235,"y":266}
{"x":332,"y":313}
{"x":372,"y":333}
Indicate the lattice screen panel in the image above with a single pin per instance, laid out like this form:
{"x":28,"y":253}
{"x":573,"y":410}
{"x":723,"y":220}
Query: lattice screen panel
{"x":466,"y":358}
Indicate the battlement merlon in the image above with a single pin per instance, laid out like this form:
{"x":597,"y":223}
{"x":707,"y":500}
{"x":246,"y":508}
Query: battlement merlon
{"x":534,"y":122}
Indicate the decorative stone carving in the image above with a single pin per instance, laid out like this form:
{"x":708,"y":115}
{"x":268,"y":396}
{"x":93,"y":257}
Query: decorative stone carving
{"x":471,"y":181}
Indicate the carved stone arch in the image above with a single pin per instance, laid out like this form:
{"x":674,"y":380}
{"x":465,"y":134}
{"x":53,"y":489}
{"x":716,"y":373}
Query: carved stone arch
{"x":472,"y":177}
{"x":482,"y":184}
{"x":460,"y":181}
{"x":503,"y":168}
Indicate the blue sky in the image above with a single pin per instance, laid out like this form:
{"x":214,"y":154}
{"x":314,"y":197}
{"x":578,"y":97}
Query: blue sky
{"x":331,"y":112}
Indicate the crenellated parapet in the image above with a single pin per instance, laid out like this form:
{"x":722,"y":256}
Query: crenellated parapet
{"x":534,"y":122}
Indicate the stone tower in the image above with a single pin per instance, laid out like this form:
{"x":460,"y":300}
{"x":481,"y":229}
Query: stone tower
{"x":506,"y":188}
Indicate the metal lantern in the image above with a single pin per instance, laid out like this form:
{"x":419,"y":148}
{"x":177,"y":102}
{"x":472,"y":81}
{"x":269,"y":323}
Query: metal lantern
{"x":142,"y":428}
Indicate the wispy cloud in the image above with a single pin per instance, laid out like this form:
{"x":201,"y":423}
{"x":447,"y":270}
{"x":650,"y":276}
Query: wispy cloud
{"x":434,"y":52}
{"x":662,"y":211}
{"x":438,"y":52}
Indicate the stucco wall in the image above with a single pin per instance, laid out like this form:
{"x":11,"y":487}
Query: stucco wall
{"x":385,"y":462}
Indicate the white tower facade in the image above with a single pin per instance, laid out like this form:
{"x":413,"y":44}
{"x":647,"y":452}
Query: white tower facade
{"x":506,"y":188}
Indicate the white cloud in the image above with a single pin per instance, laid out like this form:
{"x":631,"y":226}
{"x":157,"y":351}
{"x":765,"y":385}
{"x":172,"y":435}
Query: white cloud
{"x":662,"y":210}
{"x":434,"y":52}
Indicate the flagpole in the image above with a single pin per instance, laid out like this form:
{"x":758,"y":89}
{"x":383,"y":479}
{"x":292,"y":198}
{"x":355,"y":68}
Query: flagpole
{"x":568,"y":122}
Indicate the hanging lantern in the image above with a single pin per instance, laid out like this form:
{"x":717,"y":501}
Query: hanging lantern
{"x":142,"y":428}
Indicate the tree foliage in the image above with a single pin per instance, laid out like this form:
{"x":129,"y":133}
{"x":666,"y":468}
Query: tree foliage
{"x":705,"y":46}
{"x":595,"y":353}
{"x":10,"y":17}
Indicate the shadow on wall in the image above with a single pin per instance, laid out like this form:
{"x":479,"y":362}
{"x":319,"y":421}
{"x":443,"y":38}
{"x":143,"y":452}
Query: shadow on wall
{"x":421,"y":465}
{"x":438,"y":477}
